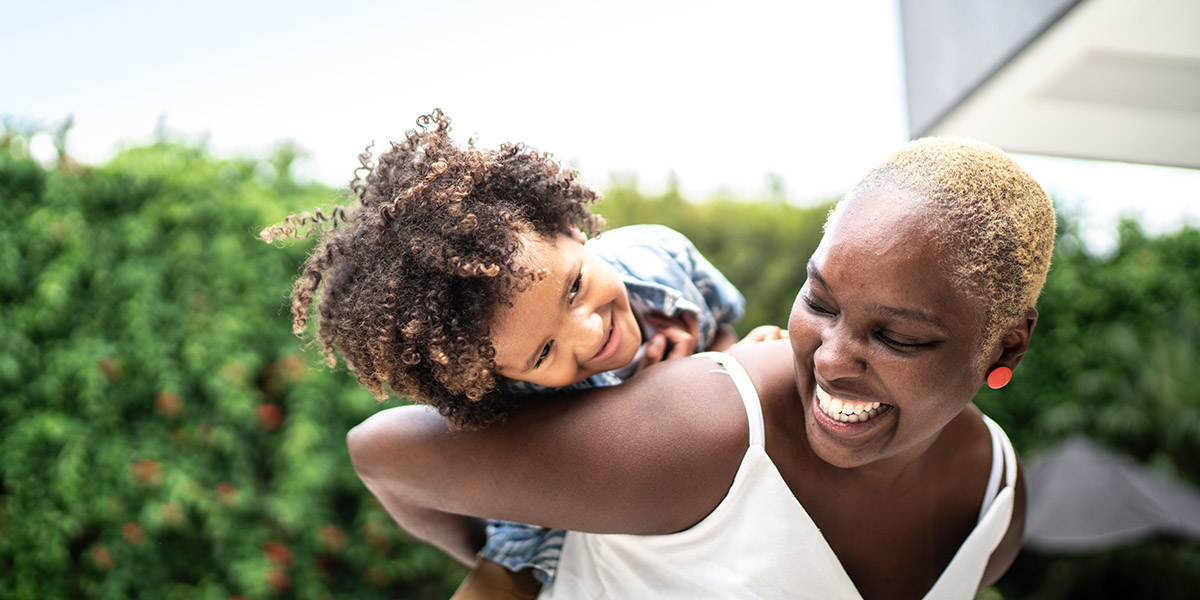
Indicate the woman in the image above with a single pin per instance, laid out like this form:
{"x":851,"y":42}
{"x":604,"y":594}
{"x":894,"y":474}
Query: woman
{"x":848,"y":462}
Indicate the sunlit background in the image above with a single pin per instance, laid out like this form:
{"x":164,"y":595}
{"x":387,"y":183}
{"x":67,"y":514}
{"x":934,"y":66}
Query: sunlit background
{"x":724,"y":98}
{"x":163,"y":433}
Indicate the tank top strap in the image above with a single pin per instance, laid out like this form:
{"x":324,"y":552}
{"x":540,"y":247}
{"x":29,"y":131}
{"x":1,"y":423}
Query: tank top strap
{"x":1004,"y":460}
{"x":745,"y":388}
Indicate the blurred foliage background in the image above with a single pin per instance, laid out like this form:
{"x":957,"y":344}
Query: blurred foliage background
{"x":163,"y":434}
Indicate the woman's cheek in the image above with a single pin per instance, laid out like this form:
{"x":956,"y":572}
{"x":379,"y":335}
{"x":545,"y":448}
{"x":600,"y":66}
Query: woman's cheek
{"x":801,"y":332}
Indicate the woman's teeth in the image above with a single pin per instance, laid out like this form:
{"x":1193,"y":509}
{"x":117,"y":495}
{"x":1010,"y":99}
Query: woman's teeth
{"x":846,"y":411}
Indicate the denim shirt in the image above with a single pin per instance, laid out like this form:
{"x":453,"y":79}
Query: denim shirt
{"x":662,"y":272}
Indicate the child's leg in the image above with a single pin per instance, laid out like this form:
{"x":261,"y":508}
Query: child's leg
{"x":490,"y":581}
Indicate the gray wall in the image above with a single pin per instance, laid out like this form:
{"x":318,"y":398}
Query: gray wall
{"x":952,"y":46}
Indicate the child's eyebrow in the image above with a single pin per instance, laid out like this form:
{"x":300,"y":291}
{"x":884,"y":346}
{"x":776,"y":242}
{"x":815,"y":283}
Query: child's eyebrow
{"x":568,"y":279}
{"x":564,"y":289}
{"x":563,"y":292}
{"x":529,"y":362}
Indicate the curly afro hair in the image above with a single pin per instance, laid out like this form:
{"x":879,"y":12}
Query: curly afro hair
{"x":409,"y":276}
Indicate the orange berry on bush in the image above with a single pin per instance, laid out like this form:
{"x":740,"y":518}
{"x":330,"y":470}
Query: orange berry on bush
{"x":278,"y":553}
{"x":111,"y":368}
{"x":172,"y":514}
{"x":270,"y":416}
{"x":147,"y":472}
{"x":333,"y":537}
{"x":376,"y":577}
{"x":279,"y":581}
{"x":376,"y":534}
{"x":168,"y":405}
{"x":132,"y":532}
{"x":291,"y":367}
{"x":226,"y":494}
{"x":103,"y":558}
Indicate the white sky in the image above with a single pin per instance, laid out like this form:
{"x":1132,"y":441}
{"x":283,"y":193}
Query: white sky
{"x":723,"y":94}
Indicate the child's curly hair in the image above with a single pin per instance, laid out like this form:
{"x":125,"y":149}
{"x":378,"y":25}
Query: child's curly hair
{"x":409,"y":276}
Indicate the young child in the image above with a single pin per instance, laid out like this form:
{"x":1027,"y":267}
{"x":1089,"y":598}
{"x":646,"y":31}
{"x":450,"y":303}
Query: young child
{"x":464,"y":279}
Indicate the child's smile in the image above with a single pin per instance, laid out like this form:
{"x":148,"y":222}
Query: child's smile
{"x":573,"y":323}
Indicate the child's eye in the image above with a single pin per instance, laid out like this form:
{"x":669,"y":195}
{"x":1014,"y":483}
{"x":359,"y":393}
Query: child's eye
{"x":575,"y":287}
{"x":542,"y":357}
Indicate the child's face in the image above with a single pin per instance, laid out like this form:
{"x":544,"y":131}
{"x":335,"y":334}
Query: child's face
{"x":573,"y":323}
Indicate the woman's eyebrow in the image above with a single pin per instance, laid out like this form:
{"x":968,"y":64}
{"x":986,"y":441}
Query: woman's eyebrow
{"x":815,"y":273}
{"x":908,"y":314}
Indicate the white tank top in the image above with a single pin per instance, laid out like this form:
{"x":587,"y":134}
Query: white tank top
{"x":758,"y":543}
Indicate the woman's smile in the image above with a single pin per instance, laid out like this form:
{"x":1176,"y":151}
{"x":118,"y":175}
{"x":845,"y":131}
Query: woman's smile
{"x":847,"y":411}
{"x":844,"y":417}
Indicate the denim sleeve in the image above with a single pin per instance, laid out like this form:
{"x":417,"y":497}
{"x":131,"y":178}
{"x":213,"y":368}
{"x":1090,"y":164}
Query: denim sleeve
{"x":723,"y":299}
{"x":664,"y":270}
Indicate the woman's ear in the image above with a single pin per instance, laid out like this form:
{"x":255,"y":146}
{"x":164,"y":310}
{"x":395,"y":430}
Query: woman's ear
{"x":576,"y":234}
{"x":1014,"y":343}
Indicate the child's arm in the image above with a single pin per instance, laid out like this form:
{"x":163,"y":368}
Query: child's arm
{"x":725,"y":338}
{"x":667,"y":258}
{"x":675,"y":337}
{"x":763,"y":333}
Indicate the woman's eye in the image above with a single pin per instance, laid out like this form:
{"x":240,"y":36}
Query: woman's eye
{"x":817,"y":308}
{"x":542,"y":357}
{"x":575,"y":287}
{"x":893,"y":342}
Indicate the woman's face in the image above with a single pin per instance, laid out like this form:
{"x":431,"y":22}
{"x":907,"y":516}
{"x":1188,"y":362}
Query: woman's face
{"x":884,"y":343}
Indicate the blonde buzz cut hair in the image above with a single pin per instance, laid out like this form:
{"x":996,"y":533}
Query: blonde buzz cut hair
{"x":997,"y":225}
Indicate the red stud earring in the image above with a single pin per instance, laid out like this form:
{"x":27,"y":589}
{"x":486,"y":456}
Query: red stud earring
{"x":999,"y":377}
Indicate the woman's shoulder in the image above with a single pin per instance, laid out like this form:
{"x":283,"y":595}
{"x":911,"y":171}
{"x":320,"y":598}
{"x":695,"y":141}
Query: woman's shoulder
{"x":673,"y":436}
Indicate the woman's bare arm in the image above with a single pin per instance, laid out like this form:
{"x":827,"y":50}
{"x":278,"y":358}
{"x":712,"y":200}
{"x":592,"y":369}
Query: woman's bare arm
{"x":653,"y":455}
{"x":457,"y":535}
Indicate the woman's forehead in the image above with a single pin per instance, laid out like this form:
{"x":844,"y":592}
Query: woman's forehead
{"x":889,"y":251}
{"x":884,"y":223}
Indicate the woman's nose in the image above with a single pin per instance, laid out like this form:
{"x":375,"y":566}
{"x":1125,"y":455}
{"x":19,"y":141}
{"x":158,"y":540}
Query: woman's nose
{"x":839,"y":355}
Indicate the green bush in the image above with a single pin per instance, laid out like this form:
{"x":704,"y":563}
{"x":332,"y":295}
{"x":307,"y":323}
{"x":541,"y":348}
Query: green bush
{"x":1115,"y":356}
{"x":163,"y":434}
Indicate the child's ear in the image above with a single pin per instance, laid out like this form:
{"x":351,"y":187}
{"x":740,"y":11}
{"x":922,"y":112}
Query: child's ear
{"x":577,"y":235}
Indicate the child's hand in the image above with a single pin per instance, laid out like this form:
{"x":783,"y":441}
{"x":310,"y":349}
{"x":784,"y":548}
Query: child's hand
{"x":763,"y":333}
{"x":676,"y":338}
